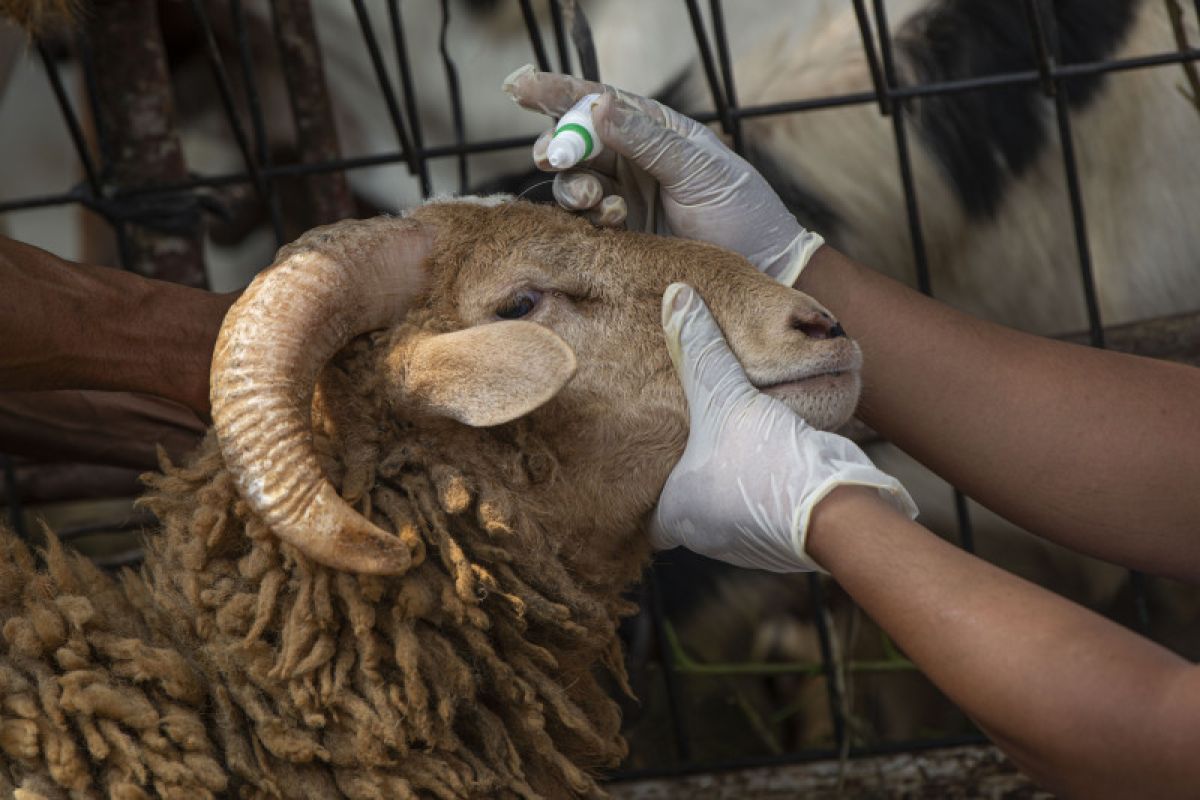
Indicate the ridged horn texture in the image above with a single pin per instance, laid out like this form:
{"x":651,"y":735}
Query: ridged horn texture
{"x":330,"y":285}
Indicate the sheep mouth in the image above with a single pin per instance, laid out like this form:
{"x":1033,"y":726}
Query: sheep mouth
{"x":830,"y":375}
{"x":834,"y":378}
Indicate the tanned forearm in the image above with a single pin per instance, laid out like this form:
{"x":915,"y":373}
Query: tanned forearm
{"x":76,"y":326}
{"x":1098,"y":451}
{"x":1081,"y":704}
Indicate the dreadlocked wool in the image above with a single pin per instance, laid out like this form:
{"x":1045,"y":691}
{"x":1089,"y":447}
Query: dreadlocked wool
{"x":233,"y":665}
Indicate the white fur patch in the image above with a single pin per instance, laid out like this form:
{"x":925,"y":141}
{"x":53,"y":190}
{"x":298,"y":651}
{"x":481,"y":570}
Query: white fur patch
{"x":490,"y":201}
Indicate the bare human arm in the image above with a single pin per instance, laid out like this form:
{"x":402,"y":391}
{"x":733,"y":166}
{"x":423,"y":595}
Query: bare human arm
{"x":77,"y":326}
{"x":1098,"y":451}
{"x":67,"y":327}
{"x":1084,"y":706}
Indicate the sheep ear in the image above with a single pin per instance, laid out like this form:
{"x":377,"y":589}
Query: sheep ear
{"x":489,"y":374}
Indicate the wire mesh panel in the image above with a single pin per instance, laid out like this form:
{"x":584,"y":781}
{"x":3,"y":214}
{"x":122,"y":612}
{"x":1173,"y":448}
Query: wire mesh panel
{"x":947,"y":143}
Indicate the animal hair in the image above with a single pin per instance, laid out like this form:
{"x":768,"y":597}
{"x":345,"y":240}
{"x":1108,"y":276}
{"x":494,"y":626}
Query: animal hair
{"x":232,"y":664}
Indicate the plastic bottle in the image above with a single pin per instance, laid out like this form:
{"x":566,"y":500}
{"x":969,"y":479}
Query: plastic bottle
{"x":575,"y":136}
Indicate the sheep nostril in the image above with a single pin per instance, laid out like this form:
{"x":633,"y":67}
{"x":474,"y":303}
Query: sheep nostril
{"x":817,"y":326}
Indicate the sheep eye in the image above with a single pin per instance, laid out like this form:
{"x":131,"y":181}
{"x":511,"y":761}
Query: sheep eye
{"x":520,"y":305}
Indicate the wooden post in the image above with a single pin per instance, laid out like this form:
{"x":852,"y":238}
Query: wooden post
{"x":135,"y":119}
{"x":316,"y":137}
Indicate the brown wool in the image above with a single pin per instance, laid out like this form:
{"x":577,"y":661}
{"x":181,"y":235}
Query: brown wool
{"x":231,"y":664}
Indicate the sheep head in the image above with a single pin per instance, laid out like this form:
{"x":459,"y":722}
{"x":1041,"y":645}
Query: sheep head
{"x":501,"y":311}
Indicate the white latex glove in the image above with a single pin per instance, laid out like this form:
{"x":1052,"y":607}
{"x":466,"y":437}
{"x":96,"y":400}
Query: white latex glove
{"x":753,"y":470}
{"x":705,"y":190}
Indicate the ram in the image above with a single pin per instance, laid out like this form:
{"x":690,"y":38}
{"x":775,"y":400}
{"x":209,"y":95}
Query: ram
{"x":395,"y":566}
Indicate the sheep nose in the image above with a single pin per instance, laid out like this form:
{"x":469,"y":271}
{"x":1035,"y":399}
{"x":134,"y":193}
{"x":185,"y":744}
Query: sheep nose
{"x":816,"y":324}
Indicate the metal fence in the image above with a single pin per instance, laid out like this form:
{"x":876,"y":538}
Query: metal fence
{"x":171,"y":203}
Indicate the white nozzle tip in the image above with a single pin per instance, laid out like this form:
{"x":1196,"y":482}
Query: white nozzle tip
{"x":565,"y":150}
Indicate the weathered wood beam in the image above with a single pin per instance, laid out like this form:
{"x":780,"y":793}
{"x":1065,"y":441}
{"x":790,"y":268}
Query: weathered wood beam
{"x":329,"y":194}
{"x":1174,"y":338}
{"x":135,"y":119}
{"x":972,"y":771}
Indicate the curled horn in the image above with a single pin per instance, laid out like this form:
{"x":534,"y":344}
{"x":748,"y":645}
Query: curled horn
{"x":327,"y":287}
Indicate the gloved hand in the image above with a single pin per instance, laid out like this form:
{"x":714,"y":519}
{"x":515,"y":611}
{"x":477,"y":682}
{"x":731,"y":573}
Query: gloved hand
{"x":706,"y":191}
{"x":753,"y":470}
